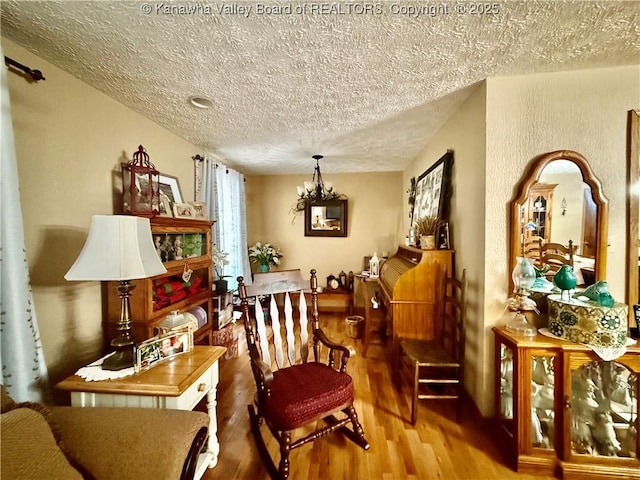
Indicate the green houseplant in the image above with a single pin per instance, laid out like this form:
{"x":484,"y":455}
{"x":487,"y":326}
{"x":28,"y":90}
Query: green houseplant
{"x":265,"y":255}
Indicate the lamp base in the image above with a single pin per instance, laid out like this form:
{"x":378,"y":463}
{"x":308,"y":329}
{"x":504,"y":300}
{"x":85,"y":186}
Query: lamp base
{"x":520,"y":326}
{"x":119,"y":361}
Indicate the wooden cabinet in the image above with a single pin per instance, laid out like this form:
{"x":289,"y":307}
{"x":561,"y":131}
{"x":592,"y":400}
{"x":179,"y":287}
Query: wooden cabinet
{"x":540,"y":210}
{"x":559,"y":408}
{"x":184,"y":245}
{"x":409,"y":282}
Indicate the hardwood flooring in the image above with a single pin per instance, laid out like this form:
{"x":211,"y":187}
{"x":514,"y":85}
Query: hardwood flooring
{"x":436,"y":448}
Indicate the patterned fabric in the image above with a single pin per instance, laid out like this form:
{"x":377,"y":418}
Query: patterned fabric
{"x":295,"y":401}
{"x":603,"y":329}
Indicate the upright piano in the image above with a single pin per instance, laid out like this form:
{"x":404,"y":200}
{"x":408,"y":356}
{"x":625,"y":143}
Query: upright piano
{"x":408,"y":286}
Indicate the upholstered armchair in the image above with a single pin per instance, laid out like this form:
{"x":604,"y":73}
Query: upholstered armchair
{"x":41,"y":442}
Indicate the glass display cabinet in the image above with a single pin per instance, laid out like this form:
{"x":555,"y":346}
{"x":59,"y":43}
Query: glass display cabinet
{"x":184,"y":246}
{"x":559,"y":408}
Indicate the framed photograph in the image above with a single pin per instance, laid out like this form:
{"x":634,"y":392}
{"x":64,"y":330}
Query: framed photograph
{"x":433,"y":190}
{"x":170,"y":188}
{"x":325,"y":218}
{"x":156,"y":349}
{"x":165,"y":206}
{"x":201,"y":210}
{"x":184,"y":210}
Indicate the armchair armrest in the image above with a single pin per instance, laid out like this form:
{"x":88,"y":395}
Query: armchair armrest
{"x":117,"y":443}
{"x":346,"y":350}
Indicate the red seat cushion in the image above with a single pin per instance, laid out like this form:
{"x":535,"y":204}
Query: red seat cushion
{"x":302,"y":392}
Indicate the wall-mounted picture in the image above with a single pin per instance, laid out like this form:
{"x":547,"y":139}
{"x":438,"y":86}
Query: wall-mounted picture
{"x":170,"y":188}
{"x":184,"y":210}
{"x":433,"y":189}
{"x":156,"y":349}
{"x":201,"y":210}
{"x":325,"y":218}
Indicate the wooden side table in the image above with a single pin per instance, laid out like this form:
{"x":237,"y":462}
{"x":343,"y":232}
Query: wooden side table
{"x":178,"y":383}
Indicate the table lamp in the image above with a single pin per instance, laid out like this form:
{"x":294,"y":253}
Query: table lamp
{"x":118,"y":248}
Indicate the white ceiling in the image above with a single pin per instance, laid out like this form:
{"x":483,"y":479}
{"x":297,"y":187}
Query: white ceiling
{"x":365,"y":89}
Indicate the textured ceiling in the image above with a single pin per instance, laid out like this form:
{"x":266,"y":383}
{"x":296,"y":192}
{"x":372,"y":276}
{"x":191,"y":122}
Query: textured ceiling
{"x":364,"y":84}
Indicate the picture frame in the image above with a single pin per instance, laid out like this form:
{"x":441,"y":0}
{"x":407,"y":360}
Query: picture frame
{"x":170,"y":188}
{"x":184,"y":210}
{"x":165,"y":207}
{"x":433,"y":190}
{"x":150,"y":352}
{"x":325,"y":218}
{"x":201,"y":210}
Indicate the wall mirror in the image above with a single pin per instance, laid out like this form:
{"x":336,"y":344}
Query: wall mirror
{"x":325,"y":218}
{"x":560,"y":199}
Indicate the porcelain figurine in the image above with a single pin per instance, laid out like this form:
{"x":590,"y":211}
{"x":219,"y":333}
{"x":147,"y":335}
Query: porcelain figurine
{"x":592,"y":291}
{"x":604,"y":433}
{"x":565,"y":279}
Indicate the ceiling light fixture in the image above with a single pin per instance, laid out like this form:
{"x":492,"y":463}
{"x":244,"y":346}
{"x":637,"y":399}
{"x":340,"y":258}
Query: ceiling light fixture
{"x":200,"y":102}
{"x":315,"y":190}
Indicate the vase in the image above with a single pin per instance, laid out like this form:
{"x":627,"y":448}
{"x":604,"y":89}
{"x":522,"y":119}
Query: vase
{"x":428,"y":242}
{"x":221,"y":286}
{"x":264,"y":267}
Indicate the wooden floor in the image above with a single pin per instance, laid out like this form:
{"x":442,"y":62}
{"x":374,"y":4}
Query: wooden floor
{"x":436,"y":448}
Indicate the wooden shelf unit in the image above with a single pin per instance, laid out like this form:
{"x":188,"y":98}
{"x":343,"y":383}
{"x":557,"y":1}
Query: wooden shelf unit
{"x":145,"y":316}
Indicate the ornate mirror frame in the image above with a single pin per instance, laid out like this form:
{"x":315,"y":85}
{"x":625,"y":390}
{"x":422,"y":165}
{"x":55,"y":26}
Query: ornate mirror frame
{"x":335,"y":215}
{"x":531,"y":178}
{"x":633,"y":208}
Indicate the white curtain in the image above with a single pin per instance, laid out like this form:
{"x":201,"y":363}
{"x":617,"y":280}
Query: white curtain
{"x":24,"y":372}
{"x":222,"y":189}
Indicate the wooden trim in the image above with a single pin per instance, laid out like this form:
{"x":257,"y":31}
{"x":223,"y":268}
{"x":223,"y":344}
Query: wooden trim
{"x":524,"y":188}
{"x":633,"y":207}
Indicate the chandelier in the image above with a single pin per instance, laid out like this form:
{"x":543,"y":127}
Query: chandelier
{"x":315,"y":190}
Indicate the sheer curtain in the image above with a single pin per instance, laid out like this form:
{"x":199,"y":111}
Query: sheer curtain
{"x":222,"y":189}
{"x":24,"y":372}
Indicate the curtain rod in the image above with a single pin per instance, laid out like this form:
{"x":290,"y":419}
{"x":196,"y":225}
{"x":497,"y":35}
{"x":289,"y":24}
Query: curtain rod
{"x":34,"y":74}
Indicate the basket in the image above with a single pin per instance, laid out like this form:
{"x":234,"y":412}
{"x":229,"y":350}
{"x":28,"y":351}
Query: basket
{"x":355,"y":326}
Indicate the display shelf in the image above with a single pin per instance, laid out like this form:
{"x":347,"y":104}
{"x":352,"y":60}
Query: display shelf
{"x":561,"y":409}
{"x":179,"y":257}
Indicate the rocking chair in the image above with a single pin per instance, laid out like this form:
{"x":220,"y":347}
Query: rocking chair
{"x":292,"y":390}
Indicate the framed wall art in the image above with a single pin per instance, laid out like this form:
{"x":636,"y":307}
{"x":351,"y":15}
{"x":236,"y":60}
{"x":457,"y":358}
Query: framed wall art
{"x":325,"y":218}
{"x":433,"y":190}
{"x":170,"y":188}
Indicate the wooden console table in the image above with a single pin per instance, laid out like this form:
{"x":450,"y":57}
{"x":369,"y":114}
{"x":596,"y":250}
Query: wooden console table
{"x":335,"y":301}
{"x":178,"y":383}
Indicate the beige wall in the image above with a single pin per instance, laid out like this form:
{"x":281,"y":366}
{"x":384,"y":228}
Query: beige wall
{"x":465,"y":134}
{"x":69,"y":140}
{"x":375,"y":213}
{"x":585,"y":111}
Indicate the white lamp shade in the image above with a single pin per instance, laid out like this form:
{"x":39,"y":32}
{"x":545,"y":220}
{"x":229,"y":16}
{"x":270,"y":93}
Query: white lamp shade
{"x":119,"y":247}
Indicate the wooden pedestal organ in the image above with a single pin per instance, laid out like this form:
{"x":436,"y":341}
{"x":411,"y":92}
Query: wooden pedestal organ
{"x":408,"y":287}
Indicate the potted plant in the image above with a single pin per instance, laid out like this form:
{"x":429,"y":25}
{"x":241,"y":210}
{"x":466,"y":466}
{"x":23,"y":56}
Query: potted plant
{"x":426,"y":229}
{"x":265,"y":255}
{"x":219,"y":261}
